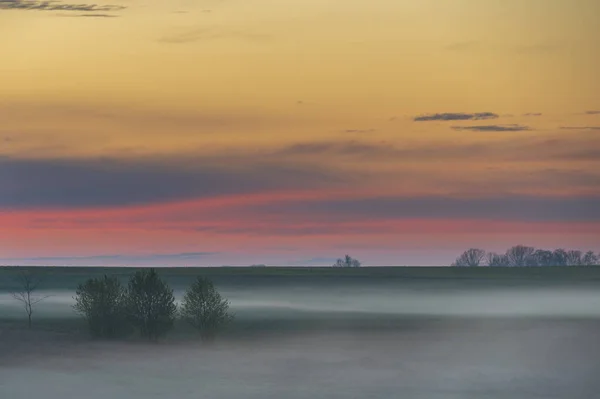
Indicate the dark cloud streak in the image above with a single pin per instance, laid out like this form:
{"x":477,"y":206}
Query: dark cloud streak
{"x":455,"y":117}
{"x":35,"y":5}
{"x":493,"y":128}
{"x":516,"y":208}
{"x":580,"y":127}
{"x":75,"y":183}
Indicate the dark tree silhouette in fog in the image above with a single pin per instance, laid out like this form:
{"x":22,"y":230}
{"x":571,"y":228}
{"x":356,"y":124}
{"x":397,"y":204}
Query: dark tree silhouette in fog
{"x":590,"y":259}
{"x":471,"y":258}
{"x":496,"y":260}
{"x":541,"y":257}
{"x":150,"y":305}
{"x":347,"y":261}
{"x":101,"y":302}
{"x":559,"y":257}
{"x":519,"y":255}
{"x":205,"y":309}
{"x":525,"y":256}
{"x":574,"y":258}
{"x":28,"y":283}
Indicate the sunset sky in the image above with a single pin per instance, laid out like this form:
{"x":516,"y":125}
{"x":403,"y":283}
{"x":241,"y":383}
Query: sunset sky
{"x":291,"y":132}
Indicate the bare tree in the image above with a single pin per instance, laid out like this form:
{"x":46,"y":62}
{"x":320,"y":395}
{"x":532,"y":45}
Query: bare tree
{"x":541,"y":257}
{"x":519,"y":255}
{"x":28,"y":283}
{"x":347,"y":261}
{"x":496,"y":260}
{"x":559,"y":257}
{"x":471,"y":257}
{"x":574,"y":258}
{"x":590,"y":259}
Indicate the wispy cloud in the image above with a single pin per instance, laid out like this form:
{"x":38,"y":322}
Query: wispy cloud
{"x":88,"y":15}
{"x":59,"y":183}
{"x":533,"y":114}
{"x":580,"y":127}
{"x":360,"y":131}
{"x":452,"y":116}
{"x":595,"y":112}
{"x":35,"y":5}
{"x":512,"y":207}
{"x":524,"y":49}
{"x":523,"y":149}
{"x":493,"y":128}
{"x":193,"y":35}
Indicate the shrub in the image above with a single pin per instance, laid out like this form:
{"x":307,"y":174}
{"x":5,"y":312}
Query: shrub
{"x":151,"y":305}
{"x":205,"y":309}
{"x":101,"y":302}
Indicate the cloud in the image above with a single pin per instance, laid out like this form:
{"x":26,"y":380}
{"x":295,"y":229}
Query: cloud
{"x":455,"y":117}
{"x":493,"y":128}
{"x":514,"y":207}
{"x":580,"y":127}
{"x":523,"y":149}
{"x":193,"y":35}
{"x":60,"y":183}
{"x":35,"y":5}
{"x":344,"y":148}
{"x":88,"y":15}
{"x":361,"y":131}
{"x":533,"y":114}
{"x":526,"y":49}
{"x":592,"y":112}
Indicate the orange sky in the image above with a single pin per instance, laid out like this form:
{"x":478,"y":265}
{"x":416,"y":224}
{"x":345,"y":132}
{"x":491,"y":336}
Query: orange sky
{"x":293,"y":132}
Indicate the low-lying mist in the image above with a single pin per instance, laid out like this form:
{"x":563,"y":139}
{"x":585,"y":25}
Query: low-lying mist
{"x":417,"y":341}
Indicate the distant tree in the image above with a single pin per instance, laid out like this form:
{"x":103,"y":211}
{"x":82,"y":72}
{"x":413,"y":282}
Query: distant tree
{"x":589,"y":259}
{"x":101,"y":301}
{"x":471,"y":258}
{"x":559,"y":257}
{"x":574,"y":258}
{"x":497,"y":260}
{"x":347,"y":261}
{"x":205,"y":309}
{"x":28,"y":284}
{"x":150,"y":304}
{"x":519,"y":255}
{"x":541,"y":257}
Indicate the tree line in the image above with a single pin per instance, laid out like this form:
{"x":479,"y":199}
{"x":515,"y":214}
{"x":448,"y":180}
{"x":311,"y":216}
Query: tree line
{"x":525,"y":256}
{"x":145,"y":306}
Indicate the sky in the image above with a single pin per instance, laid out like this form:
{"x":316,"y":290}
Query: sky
{"x":225,"y":132}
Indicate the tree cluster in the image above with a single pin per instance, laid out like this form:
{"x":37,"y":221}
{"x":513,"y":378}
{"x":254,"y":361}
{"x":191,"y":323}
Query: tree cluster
{"x":347,"y":261}
{"x":148,"y":306}
{"x":525,"y":256}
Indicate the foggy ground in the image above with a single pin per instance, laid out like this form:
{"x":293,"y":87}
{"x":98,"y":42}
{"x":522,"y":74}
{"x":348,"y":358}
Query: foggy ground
{"x":419,"y":340}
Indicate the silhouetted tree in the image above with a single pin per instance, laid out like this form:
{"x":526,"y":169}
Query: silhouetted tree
{"x":150,"y":304}
{"x":574,"y":258}
{"x":497,"y":260}
{"x":519,"y":255}
{"x":101,"y":301}
{"x":541,"y":257}
{"x":471,"y":258}
{"x":590,"y":259}
{"x":559,"y":257}
{"x":28,"y":283}
{"x":204,"y":308}
{"x":347,"y":261}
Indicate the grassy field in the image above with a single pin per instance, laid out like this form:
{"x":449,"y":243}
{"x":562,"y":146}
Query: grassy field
{"x":69,"y":277}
